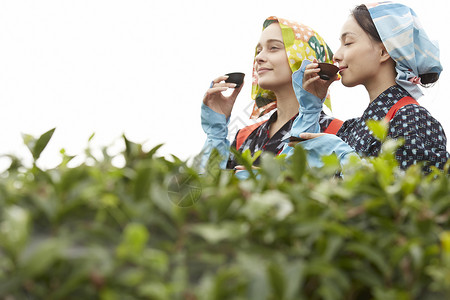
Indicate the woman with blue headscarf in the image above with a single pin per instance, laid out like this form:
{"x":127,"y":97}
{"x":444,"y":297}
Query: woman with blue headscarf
{"x":385,"y":49}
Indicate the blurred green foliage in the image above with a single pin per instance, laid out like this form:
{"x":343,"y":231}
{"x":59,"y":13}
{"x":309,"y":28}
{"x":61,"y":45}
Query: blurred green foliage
{"x":153,"y":228}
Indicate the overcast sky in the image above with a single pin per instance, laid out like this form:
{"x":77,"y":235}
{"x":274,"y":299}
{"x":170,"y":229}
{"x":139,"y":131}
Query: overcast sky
{"x":141,"y":67}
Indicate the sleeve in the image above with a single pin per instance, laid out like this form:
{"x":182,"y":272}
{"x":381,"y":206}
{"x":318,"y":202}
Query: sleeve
{"x":310,"y":106}
{"x":308,"y":121}
{"x":326,"y":144}
{"x":424,"y":138}
{"x":215,"y":126}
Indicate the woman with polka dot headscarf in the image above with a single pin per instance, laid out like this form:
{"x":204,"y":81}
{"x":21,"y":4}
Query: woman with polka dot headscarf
{"x":385,"y":49}
{"x":282,"y":47}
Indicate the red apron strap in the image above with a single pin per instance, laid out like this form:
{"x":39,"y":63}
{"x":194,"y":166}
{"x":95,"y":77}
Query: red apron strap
{"x":334,"y":126}
{"x":245,"y":132}
{"x":400,"y":103}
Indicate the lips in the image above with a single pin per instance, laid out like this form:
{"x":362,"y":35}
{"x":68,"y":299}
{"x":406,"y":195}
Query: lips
{"x":262,"y":70}
{"x":341,"y":69}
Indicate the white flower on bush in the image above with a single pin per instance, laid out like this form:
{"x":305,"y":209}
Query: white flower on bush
{"x":270,"y":203}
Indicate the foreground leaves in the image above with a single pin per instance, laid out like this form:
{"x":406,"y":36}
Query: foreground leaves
{"x":155,"y":229}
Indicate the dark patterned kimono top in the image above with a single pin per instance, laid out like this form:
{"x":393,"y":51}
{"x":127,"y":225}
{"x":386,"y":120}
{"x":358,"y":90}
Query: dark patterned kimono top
{"x":259,"y":139}
{"x":425,"y":140}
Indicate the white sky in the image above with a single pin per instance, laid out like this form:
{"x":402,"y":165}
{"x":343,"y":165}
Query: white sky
{"x":142,"y":67}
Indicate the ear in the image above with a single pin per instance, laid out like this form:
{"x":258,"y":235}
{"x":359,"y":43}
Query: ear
{"x":384,"y":55}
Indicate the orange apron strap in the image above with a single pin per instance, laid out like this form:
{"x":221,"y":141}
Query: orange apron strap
{"x":334,"y":126}
{"x":400,"y":103}
{"x":245,"y":132}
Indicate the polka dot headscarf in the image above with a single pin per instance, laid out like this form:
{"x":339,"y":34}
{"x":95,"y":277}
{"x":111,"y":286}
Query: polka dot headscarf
{"x":300,"y":42}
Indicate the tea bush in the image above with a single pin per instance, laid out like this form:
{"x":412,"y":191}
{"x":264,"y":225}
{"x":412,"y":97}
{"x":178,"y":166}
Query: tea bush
{"x":155,"y":229}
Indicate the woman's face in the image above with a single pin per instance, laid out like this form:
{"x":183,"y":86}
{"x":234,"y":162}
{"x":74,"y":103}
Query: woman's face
{"x":359,"y":56}
{"x":271,"y":63}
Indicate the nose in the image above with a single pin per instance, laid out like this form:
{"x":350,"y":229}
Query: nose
{"x":337,"y":57}
{"x":261,"y":56}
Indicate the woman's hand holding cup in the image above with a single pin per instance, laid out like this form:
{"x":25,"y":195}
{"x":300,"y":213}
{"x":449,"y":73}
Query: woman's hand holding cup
{"x":214,"y":98}
{"x":313,"y":83}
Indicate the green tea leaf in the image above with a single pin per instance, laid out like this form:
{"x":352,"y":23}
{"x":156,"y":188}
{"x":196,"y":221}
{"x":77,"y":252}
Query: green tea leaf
{"x":14,"y":229}
{"x":41,"y":143}
{"x":298,"y":162}
{"x":41,"y":255}
{"x":379,"y":129}
{"x":277,"y":281}
{"x":367,"y":252}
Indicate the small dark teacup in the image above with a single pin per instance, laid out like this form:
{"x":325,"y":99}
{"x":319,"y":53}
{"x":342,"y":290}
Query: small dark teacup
{"x":327,"y":71}
{"x":236,"y":77}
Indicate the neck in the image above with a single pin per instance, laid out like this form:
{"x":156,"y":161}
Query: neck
{"x":385,"y":79}
{"x":287,"y":104}
{"x":375,"y":91}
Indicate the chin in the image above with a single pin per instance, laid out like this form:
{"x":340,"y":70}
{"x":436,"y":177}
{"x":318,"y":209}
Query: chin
{"x":348,"y":83}
{"x":265,"y":85}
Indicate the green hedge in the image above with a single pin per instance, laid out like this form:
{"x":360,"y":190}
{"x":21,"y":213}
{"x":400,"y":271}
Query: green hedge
{"x":154,"y":229}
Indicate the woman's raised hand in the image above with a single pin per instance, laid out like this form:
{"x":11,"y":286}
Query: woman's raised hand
{"x":313,"y":84}
{"x":306,"y":136}
{"x":215,"y":100}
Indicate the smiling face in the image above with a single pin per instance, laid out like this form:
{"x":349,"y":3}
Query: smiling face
{"x":360,"y":57}
{"x":271,"y":62}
